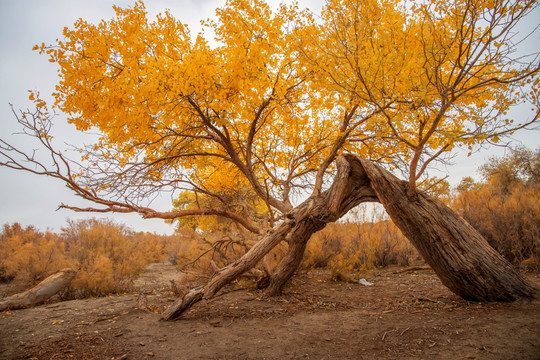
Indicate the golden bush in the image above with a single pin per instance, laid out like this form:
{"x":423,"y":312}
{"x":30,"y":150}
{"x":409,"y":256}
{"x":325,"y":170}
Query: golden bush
{"x":355,"y":247}
{"x":505,"y":207}
{"x":107,"y":256}
{"x":28,"y":256}
{"x":509,"y":222}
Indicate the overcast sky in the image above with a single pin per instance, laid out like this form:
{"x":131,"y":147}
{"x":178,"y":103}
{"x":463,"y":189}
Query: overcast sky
{"x":33,"y":200}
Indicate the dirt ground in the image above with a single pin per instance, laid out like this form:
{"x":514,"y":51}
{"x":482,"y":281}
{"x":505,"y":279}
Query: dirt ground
{"x":407,"y":315}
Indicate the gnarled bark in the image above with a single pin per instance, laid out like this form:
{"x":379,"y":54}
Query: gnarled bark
{"x":40,"y":293}
{"x":459,"y":255}
{"x":350,"y":188}
{"x":290,"y":262}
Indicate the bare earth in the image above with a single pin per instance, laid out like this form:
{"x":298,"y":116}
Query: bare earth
{"x":402,"y":316}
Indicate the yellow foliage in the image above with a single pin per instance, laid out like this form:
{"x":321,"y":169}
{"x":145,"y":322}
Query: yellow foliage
{"x":107,"y":256}
{"x":276,"y":94}
{"x":505,"y":207}
{"x":439,"y":71}
{"x":355,"y":247}
{"x":509,"y":222}
{"x":28,"y":256}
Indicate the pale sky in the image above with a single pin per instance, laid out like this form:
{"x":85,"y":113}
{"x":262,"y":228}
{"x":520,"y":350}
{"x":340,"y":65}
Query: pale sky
{"x":33,"y":200}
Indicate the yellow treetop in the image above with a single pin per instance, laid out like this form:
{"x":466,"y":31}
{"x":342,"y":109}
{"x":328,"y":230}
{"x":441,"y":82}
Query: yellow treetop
{"x":275,"y":96}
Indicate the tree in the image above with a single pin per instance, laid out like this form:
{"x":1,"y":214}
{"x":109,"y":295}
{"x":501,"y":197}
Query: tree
{"x":520,"y":168}
{"x":276,"y":105}
{"x":504,"y":208}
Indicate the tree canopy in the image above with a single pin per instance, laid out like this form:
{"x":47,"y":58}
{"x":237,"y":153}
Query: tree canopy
{"x":260,"y":107}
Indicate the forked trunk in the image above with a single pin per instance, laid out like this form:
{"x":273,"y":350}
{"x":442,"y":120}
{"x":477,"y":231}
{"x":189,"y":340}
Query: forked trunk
{"x":349,"y":189}
{"x":458,"y":254}
{"x":292,"y":259}
{"x":231,"y":271}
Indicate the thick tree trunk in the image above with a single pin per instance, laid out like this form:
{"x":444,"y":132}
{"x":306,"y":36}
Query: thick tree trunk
{"x":292,"y":259}
{"x":458,"y":254}
{"x":348,"y":190}
{"x":230,"y":272}
{"x":40,"y":293}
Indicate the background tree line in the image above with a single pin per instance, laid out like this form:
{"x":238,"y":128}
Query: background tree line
{"x":106,"y":255}
{"x":504,"y":206}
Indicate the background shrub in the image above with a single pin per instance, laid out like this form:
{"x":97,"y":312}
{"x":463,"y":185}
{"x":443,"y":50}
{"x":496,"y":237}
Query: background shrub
{"x":505,"y":206}
{"x":107,"y":256}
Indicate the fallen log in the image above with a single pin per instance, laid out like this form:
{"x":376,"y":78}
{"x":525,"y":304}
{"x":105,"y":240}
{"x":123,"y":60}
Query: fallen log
{"x":40,"y":293}
{"x":412,"y":268}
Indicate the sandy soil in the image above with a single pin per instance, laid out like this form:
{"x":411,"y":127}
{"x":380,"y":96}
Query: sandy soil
{"x":402,"y":316}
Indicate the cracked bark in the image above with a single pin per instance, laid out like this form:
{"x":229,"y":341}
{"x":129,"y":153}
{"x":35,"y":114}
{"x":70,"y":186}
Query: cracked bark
{"x":458,"y":254}
{"x":350,"y":188}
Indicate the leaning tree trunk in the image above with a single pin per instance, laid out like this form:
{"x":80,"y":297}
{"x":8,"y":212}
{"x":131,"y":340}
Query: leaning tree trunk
{"x":459,"y":255}
{"x":350,"y":188}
